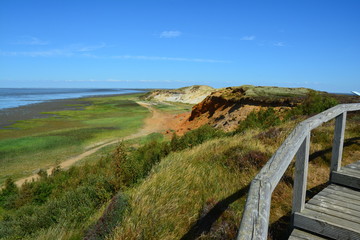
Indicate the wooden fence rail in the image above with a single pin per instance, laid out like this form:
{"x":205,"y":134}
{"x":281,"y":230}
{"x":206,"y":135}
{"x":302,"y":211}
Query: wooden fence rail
{"x":255,"y":220}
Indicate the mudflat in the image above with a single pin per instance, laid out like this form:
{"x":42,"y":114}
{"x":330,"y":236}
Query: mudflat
{"x":9,"y":116}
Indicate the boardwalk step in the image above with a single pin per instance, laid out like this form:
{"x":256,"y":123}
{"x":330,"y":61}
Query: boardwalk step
{"x":334,"y":213}
{"x":298,"y":234}
{"x":348,"y":175}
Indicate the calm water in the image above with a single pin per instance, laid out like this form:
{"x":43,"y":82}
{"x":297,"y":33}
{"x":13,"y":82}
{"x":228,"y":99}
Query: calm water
{"x":15,"y":97}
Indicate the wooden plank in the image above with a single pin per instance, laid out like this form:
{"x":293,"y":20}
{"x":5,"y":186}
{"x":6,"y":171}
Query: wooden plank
{"x":348,"y":196}
{"x":349,"y":170}
{"x":298,"y":234}
{"x":336,"y":197}
{"x":355,"y":166}
{"x":338,"y":142}
{"x":341,"y":203}
{"x":334,"y":207}
{"x":300,"y":178}
{"x":346,"y":179}
{"x":344,"y":189}
{"x":357,"y":163}
{"x":325,"y":225}
{"x":332,"y":211}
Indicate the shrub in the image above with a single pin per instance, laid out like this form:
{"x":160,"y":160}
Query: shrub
{"x":8,"y":194}
{"x":71,"y":209}
{"x":241,"y":159}
{"x":195,"y":137}
{"x":112,"y":215}
{"x":314,"y":103}
{"x":262,"y":119}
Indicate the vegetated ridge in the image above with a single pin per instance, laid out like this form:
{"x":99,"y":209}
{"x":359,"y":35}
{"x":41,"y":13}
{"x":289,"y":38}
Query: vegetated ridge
{"x":192,"y":94}
{"x":227,"y":107}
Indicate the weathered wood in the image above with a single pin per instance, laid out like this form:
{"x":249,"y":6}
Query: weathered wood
{"x":335,"y":213}
{"x":331,"y":113}
{"x":335,"y":197}
{"x":334,"y":207}
{"x":355,"y":165}
{"x":338,"y":142}
{"x":340,"y":203}
{"x":345,"y":178}
{"x":257,"y":207}
{"x":278,"y":163}
{"x":257,"y":211}
{"x":300,"y":178}
{"x":344,"y":189}
{"x":326,"y":225}
{"x":350,"y":170}
{"x":298,"y":234}
{"x":346,"y":196}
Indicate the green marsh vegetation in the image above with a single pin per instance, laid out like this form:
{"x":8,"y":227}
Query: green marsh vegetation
{"x":39,"y":143}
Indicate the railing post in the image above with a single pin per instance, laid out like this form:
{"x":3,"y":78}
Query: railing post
{"x":338,"y":143}
{"x":300,"y":178}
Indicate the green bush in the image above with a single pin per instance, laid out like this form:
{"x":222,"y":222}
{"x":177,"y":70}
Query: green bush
{"x":112,"y":215}
{"x":262,"y":119}
{"x":8,"y":194}
{"x":71,"y":209}
{"x":129,"y":168}
{"x":195,"y":137}
{"x":314,"y":103}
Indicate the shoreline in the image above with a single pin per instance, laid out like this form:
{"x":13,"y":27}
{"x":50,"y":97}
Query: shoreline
{"x":9,"y":116}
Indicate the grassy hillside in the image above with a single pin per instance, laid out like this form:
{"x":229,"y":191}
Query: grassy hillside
{"x":189,"y":187}
{"x":200,"y":193}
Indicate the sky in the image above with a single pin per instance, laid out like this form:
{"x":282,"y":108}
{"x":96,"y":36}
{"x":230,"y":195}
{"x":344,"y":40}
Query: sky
{"x":175,"y":43}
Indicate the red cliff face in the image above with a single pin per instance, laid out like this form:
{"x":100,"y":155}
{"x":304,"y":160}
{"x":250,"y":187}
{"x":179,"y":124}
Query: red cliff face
{"x":209,"y":105}
{"x":226,"y":107}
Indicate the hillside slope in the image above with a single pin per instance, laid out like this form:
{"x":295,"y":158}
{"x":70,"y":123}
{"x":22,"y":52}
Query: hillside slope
{"x":192,"y":95}
{"x":226,"y":107}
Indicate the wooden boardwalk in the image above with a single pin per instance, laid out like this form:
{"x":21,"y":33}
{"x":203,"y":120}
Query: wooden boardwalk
{"x":334,"y":213}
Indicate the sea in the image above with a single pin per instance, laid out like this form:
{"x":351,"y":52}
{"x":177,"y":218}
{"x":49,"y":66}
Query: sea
{"x":15,"y":97}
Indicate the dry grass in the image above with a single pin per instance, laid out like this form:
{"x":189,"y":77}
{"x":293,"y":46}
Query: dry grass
{"x":173,"y":197}
{"x":187,"y":187}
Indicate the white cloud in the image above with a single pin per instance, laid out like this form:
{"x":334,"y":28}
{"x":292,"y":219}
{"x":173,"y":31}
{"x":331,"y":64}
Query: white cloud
{"x":156,"y":58}
{"x":72,"y":50}
{"x":86,"y":51}
{"x":170,"y":34}
{"x":248,"y":38}
{"x":28,"y":40}
{"x":45,"y":53}
{"x":88,"y":48}
{"x":279,"y":44}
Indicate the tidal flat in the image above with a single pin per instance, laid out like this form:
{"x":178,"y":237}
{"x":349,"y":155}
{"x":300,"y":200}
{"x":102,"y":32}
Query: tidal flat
{"x":39,"y":136}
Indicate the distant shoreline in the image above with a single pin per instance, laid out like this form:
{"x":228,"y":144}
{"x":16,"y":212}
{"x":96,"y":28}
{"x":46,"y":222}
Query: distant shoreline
{"x":9,"y":116}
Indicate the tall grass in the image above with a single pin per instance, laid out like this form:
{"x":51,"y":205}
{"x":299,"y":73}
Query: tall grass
{"x":174,"y":196}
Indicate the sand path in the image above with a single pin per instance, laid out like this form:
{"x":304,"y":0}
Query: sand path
{"x":158,"y":122}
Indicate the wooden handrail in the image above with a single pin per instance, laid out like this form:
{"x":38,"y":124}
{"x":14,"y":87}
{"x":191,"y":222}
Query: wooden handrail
{"x":255,"y":219}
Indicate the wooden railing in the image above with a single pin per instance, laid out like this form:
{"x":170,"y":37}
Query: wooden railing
{"x":255,"y":220}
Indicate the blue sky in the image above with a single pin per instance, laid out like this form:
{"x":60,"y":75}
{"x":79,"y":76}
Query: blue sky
{"x":175,"y":43}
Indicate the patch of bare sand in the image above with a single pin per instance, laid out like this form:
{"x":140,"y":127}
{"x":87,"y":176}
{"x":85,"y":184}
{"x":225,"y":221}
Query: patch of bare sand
{"x":159,"y":121}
